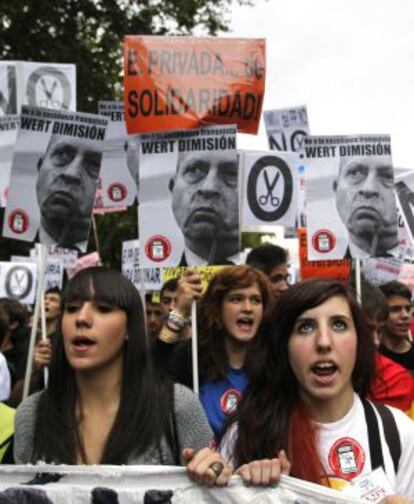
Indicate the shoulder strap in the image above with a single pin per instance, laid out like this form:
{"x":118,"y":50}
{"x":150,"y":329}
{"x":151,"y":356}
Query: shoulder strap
{"x":391,"y":433}
{"x":374,"y":439}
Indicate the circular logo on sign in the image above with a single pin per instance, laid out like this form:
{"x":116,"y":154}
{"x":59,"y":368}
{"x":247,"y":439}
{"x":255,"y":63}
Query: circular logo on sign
{"x":19,"y":282}
{"x":266,"y":201}
{"x":158,"y":248}
{"x":297,"y":140}
{"x":323,"y":241}
{"x":229,"y":401}
{"x":50,"y":88}
{"x":18,"y":221}
{"x":117,"y":192}
{"x":346,"y":458}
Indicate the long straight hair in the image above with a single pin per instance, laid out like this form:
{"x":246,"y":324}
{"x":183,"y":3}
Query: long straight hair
{"x":213,"y":356}
{"x":270,"y":415}
{"x":142,"y":415}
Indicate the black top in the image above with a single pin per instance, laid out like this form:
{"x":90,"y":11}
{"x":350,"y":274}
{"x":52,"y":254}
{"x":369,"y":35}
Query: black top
{"x":405,"y":359}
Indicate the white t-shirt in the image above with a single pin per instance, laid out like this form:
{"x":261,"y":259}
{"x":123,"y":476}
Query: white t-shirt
{"x":344,"y":449}
{"x":5,"y":384}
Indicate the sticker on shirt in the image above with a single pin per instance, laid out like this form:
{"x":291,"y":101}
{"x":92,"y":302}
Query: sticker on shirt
{"x":347,"y":458}
{"x":229,"y":401}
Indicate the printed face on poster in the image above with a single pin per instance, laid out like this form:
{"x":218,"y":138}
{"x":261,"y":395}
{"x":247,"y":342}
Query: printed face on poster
{"x":119,"y":170}
{"x":270,"y":188}
{"x":350,"y":197}
{"x":54,"y":177}
{"x":189,"y":210}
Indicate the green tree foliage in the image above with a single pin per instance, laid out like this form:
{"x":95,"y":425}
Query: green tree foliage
{"x":90,"y":33}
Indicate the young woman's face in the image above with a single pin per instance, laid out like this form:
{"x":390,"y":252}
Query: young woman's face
{"x":242,"y":312}
{"x":94,"y":334}
{"x":322,"y":352}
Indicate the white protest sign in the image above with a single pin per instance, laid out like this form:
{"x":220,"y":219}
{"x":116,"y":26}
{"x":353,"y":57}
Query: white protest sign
{"x":66,"y":256}
{"x":53,"y":270}
{"x":286,"y":128}
{"x":8,"y":134}
{"x":189,"y":200}
{"x":119,"y":170}
{"x":350,"y":197}
{"x":48,"y":85}
{"x":372,"y":487}
{"x":18,"y":281}
{"x":148,"y":485}
{"x":142,"y":278}
{"x":381,"y":271}
{"x":54,"y":176}
{"x":270,"y":188}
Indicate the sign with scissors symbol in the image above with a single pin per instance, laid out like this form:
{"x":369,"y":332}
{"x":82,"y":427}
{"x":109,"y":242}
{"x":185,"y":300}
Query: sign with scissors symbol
{"x":271,"y":189}
{"x":274,"y":200}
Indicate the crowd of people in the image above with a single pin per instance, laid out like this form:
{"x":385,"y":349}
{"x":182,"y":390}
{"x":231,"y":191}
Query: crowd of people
{"x":293,"y":379}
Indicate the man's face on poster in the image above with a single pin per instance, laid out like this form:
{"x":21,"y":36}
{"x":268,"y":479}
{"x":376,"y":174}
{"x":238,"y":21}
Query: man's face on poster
{"x":65,"y":188}
{"x":205,"y":200}
{"x":365,"y":200}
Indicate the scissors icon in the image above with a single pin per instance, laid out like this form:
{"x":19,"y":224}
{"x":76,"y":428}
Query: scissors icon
{"x":269,"y":187}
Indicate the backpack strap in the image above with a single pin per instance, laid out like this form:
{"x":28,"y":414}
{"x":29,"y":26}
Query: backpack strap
{"x":391,"y":433}
{"x":374,"y":439}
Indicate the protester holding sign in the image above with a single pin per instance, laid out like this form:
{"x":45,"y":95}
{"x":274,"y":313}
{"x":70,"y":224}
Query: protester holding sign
{"x":230,"y":317}
{"x":307,"y":397}
{"x":103,"y":404}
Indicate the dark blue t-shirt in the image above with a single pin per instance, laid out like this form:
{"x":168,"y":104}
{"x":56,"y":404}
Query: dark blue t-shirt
{"x":220,"y":398}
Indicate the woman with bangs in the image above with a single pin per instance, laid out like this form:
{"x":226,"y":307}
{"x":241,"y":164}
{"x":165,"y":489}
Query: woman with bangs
{"x":304,"y":412}
{"x":103,"y":404}
{"x":230,"y":316}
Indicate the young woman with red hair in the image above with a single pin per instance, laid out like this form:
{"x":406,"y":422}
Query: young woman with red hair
{"x":306,"y":402}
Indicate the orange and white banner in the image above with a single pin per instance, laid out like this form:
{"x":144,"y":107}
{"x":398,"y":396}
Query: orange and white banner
{"x":187,"y":82}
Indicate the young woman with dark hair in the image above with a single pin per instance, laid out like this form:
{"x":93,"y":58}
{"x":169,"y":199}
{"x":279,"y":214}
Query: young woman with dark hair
{"x":306,"y":402}
{"x":103,"y":405}
{"x":229,"y":321}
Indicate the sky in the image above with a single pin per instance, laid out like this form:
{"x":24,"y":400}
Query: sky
{"x":351,"y":62}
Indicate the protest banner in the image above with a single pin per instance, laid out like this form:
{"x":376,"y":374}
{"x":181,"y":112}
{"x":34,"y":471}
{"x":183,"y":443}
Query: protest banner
{"x":189,"y":199}
{"x":86,"y":261}
{"x":340,"y":269}
{"x":286,"y":128}
{"x":18,"y":281}
{"x":54,"y":175}
{"x":8,"y":134}
{"x":66,"y":256}
{"x":407,"y":275}
{"x":350,"y":197}
{"x":53,"y":271}
{"x":269,"y":188}
{"x":206,"y":273}
{"x":48,"y":85}
{"x":381,"y":271}
{"x":188,"y":82}
{"x":119,"y":169}
{"x":142,"y":278}
{"x":55,"y":484}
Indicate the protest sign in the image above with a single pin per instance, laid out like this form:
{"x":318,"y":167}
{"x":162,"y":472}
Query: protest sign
{"x":86,"y":261}
{"x":189,"y":208}
{"x":286,"y":128}
{"x":119,"y":170}
{"x":405,"y":191}
{"x":383,"y":270}
{"x":54,"y":175}
{"x":350,"y":197}
{"x":48,"y":85}
{"x":269,"y":188}
{"x":53,"y":270}
{"x":187,"y":82}
{"x":8,"y":134}
{"x":66,"y":256}
{"x":57,"y":484}
{"x":142,"y":278}
{"x":18,"y":281}
{"x":340,"y":270}
{"x":206,"y":273}
{"x":407,"y":275}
